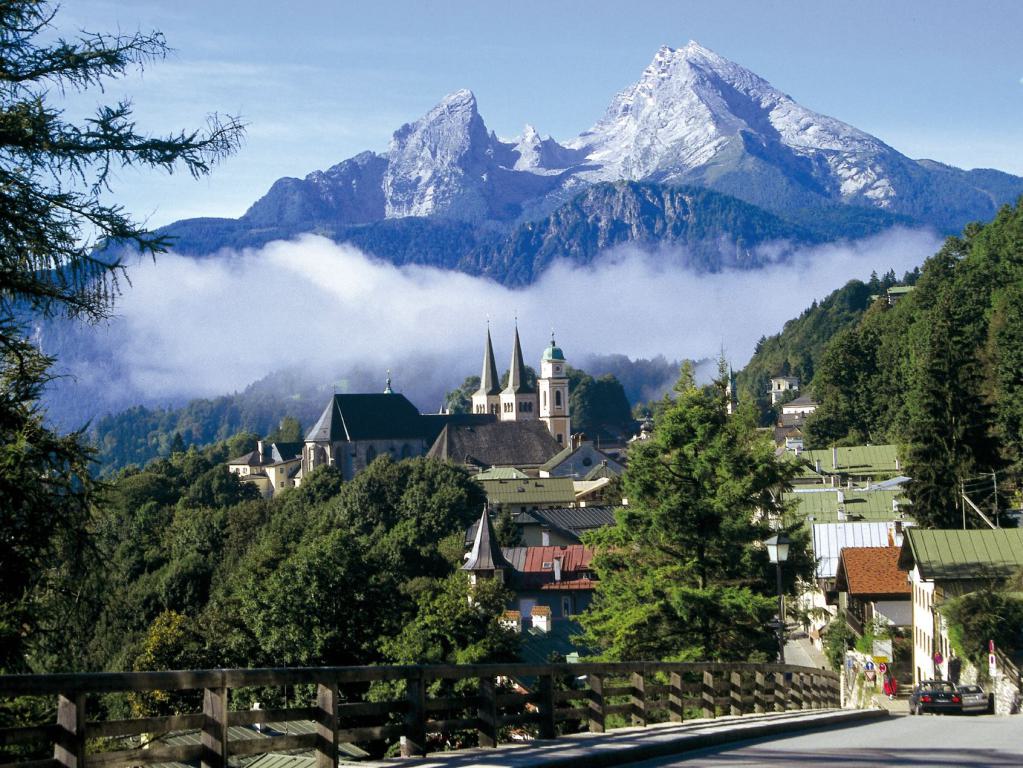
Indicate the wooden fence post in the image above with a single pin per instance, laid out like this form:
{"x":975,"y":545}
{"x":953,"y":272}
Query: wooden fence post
{"x":546,"y":707}
{"x":637,"y":699}
{"x":708,"y":695}
{"x":326,"y":724}
{"x":413,"y":741}
{"x":785,"y":691}
{"x":769,"y":691}
{"x":735,"y":693}
{"x":69,"y":746}
{"x":676,"y":698}
{"x":487,"y":712}
{"x":214,"y":728}
{"x":596,"y":703}
{"x":759,"y":692}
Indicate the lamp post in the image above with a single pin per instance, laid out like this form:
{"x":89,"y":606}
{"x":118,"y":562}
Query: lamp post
{"x":778,"y":553}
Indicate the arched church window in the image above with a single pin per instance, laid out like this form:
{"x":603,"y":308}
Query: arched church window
{"x":557,"y":399}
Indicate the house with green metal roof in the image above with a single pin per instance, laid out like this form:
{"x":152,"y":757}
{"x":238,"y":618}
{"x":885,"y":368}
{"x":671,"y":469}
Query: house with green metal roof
{"x":944,"y":564}
{"x":843,"y":505}
{"x":849,"y":464}
{"x":522,"y":495}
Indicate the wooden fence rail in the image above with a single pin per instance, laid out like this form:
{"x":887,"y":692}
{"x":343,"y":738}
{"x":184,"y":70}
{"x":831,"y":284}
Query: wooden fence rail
{"x":538,"y":698}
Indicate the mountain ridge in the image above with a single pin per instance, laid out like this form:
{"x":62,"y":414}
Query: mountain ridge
{"x":693,"y":118}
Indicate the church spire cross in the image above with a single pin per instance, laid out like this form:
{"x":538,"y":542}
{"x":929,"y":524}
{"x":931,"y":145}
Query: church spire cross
{"x":387,"y":389}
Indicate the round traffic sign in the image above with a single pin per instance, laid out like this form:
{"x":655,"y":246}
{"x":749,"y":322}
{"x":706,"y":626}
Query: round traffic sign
{"x":869,"y":666}
{"x":882,"y":667}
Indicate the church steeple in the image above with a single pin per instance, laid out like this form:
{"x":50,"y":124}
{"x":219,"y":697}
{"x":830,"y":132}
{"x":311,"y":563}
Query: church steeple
{"x":517,"y":384}
{"x":487,"y":399}
{"x":485,"y":559}
{"x":518,"y":399}
{"x":490,"y":384}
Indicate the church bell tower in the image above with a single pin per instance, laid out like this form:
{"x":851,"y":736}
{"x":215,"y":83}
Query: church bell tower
{"x":553,"y":385}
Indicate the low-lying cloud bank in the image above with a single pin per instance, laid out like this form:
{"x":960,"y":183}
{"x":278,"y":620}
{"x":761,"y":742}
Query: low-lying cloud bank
{"x":200,"y":327}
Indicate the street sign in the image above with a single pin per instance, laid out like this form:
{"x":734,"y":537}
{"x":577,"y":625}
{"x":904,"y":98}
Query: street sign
{"x":849,"y":664}
{"x":881,"y":659}
{"x":882,"y":667}
{"x":869,"y":666}
{"x":992,"y":664}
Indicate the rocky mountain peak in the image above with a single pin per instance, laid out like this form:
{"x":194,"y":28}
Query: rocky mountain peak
{"x":434,"y":162}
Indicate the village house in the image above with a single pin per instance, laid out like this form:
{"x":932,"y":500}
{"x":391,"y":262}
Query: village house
{"x":556,"y":526}
{"x":782,"y":386}
{"x":552,"y":581}
{"x":271,"y":467}
{"x":849,"y":465}
{"x":943,"y":564}
{"x":872,"y":588}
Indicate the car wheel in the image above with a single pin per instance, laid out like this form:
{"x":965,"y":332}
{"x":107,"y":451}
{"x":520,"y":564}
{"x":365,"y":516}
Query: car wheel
{"x":919,"y":709}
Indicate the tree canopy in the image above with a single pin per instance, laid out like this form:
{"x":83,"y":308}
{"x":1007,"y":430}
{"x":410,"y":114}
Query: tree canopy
{"x":683,"y":575}
{"x":56,"y":257}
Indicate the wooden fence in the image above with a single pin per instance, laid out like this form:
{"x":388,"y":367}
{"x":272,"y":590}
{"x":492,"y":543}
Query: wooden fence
{"x":537,"y":699}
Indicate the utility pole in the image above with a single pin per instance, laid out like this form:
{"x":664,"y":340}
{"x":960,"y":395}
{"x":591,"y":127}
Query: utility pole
{"x":962,"y":500}
{"x":994,"y":482}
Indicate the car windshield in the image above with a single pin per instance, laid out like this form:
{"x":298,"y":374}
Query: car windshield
{"x":971,"y":689}
{"x":938,"y":687}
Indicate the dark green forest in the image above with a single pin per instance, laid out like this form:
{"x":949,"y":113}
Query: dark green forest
{"x":939,"y":373}
{"x":184,"y":566}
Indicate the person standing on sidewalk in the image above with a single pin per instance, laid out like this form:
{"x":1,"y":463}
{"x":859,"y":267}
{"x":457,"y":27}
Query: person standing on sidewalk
{"x":891,"y":685}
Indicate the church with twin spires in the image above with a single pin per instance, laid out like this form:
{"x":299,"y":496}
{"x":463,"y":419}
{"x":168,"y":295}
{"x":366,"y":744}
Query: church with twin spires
{"x":520,"y":401}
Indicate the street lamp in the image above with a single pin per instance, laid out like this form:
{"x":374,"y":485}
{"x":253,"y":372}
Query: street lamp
{"x":778,"y":553}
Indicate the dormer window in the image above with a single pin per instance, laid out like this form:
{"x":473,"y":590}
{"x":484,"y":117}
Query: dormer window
{"x":547,"y":565}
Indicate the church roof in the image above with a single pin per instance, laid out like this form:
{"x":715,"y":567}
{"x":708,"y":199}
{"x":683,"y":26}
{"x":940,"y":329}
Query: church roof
{"x":490,"y":384}
{"x":485,"y":554}
{"x":367,"y":417}
{"x":553,"y":352}
{"x":517,"y":384}
{"x":517,"y":444}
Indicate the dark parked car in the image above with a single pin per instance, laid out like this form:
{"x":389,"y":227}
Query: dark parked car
{"x":974,"y":698}
{"x":935,"y":696}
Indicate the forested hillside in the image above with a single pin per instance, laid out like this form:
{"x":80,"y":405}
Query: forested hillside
{"x":797,"y":350}
{"x":940,"y":372}
{"x":185,"y":567}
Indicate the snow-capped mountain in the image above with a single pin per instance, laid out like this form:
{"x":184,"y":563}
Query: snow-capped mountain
{"x":691,"y":106}
{"x":693,"y":118}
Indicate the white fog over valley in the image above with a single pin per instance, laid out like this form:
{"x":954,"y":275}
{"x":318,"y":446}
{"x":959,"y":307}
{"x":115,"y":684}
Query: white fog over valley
{"x":203,"y":327}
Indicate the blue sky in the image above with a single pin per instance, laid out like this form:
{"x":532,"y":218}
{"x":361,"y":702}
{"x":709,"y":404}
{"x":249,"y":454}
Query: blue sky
{"x":319,"y":81}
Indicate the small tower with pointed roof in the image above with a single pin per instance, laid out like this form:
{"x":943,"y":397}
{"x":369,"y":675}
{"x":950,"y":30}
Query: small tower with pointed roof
{"x":553,"y":386}
{"x":487,"y":399}
{"x":485,"y":560}
{"x":518,"y":399}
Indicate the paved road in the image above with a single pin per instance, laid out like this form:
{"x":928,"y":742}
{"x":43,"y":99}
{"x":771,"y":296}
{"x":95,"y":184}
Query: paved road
{"x":931,"y":740}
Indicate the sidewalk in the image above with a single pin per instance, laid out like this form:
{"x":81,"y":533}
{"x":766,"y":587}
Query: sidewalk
{"x":628,"y":745}
{"x":802,"y":652}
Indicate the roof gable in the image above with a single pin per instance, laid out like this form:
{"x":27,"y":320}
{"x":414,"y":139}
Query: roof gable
{"x":375,"y":416}
{"x":952,"y":554}
{"x":496,"y":444}
{"x":872,"y":572}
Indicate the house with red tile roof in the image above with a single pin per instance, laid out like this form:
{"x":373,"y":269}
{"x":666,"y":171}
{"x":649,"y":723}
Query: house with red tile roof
{"x":871,"y":586}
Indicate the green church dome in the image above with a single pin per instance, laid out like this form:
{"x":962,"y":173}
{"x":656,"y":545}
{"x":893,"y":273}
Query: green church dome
{"x":553,"y":352}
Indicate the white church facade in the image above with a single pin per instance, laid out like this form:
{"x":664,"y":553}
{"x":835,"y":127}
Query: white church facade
{"x":520,"y":400}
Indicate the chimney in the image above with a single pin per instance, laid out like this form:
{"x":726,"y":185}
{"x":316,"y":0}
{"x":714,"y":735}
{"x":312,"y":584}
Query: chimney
{"x":817,"y":466}
{"x":542,"y":618}
{"x":557,"y":569}
{"x":897,"y":465}
{"x":261,"y":450}
{"x":834,"y":457}
{"x":512,"y":620}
